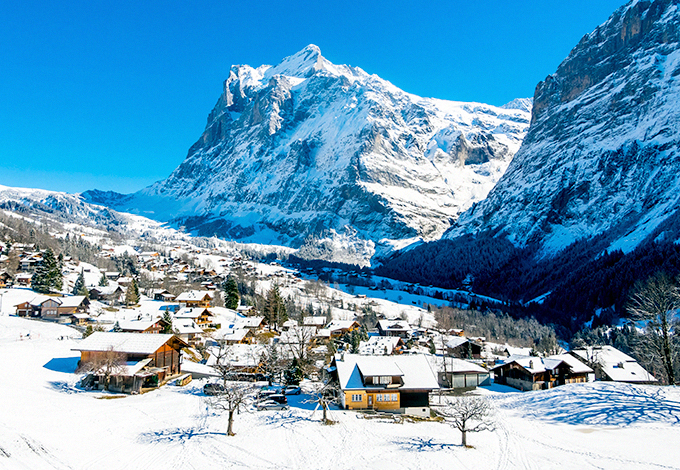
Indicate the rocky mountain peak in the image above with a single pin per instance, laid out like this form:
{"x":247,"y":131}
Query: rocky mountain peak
{"x":309,"y":148}
{"x":602,"y":154}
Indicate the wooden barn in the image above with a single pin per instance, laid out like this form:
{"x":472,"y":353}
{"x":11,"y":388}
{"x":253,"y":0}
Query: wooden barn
{"x":142,"y":360}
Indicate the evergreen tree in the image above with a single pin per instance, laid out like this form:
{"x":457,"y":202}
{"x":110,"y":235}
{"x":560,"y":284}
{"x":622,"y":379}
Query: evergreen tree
{"x":117,"y":327}
{"x":79,"y":287}
{"x":167,"y":327}
{"x":132,"y":293}
{"x":293,"y":375}
{"x":232,"y":295}
{"x":47,"y":276}
{"x":103,"y":281}
{"x":274,"y":308}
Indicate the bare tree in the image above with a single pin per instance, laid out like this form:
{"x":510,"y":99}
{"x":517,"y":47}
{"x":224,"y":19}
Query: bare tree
{"x":231,"y":399}
{"x":271,"y":362}
{"x":105,"y":364}
{"x":234,"y":394}
{"x":325,"y":395}
{"x":469,"y":414}
{"x":655,"y":302}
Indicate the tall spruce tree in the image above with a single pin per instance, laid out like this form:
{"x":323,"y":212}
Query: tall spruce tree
{"x":232,"y":295}
{"x":79,"y":287}
{"x":274,"y":308}
{"x":132,"y":293}
{"x":47,"y":276}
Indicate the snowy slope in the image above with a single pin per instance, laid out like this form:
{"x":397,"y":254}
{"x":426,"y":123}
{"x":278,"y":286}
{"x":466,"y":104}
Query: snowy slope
{"x":602,"y":151}
{"x":51,"y":424}
{"x":307,"y":146}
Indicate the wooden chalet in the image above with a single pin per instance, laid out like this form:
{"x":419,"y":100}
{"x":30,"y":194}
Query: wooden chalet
{"x":337,"y":328}
{"x":162,"y":295}
{"x":463,"y":348}
{"x":144,"y":360}
{"x":203,"y":317}
{"x":398,"y":328}
{"x":5,"y":279}
{"x":195,"y":298}
{"x":142,"y":326}
{"x":23,"y":279}
{"x":539,"y":373}
{"x":458,"y":374}
{"x":609,"y":363}
{"x":399,"y":384}
{"x":110,"y":295}
{"x":74,"y":304}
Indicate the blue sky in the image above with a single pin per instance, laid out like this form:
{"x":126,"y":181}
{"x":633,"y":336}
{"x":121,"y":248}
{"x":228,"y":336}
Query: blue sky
{"x":111,"y":95}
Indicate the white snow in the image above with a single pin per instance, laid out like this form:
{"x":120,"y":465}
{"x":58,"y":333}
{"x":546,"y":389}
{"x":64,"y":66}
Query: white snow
{"x":48,"y":423}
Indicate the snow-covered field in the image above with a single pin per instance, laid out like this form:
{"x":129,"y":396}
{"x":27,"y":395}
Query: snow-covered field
{"x":46,"y":422}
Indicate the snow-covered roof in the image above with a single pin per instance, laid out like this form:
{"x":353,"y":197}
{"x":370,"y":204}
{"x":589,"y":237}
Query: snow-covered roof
{"x":249,"y":322}
{"x":414,"y":370}
{"x":133,"y":343}
{"x":394,"y":325}
{"x":73,"y":301}
{"x":340,"y":325}
{"x":456,"y":341}
{"x":231,"y":334}
{"x":194,"y":295}
{"x":617,"y":365}
{"x":186,"y":326}
{"x":577,"y":367}
{"x":189,"y":312}
{"x":314,"y":321}
{"x":515,"y":351}
{"x":290,"y":323}
{"x":136,"y":325}
{"x":532,"y":364}
{"x":454,"y":365}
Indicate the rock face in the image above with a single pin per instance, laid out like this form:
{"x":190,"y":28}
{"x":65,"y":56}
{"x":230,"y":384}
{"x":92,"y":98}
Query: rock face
{"x":602,"y":150}
{"x":307,"y":148}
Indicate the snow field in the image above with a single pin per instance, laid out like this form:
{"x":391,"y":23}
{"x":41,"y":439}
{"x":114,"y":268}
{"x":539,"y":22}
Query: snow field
{"x":47,"y":423}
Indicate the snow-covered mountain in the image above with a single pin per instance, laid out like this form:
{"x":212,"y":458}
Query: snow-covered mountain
{"x":601,"y":154}
{"x":307,"y":148}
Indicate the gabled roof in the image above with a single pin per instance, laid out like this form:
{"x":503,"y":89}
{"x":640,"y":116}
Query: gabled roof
{"x":394,"y":325}
{"x":617,"y":365}
{"x":194,"y":296}
{"x":73,"y":301}
{"x":132,"y":343}
{"x":532,"y":364}
{"x":456,"y":341}
{"x":341,"y":325}
{"x":414,"y":370}
{"x":454,"y":365}
{"x":136,"y":325}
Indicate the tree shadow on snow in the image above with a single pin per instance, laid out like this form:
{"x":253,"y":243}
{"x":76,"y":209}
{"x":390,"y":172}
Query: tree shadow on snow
{"x":177,"y":435}
{"x":63,"y":364}
{"x":608,"y":404}
{"x":63,"y":387}
{"x":420,"y":444}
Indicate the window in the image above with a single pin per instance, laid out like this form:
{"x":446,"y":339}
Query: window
{"x":357,"y":398}
{"x":382,"y":380}
{"x":395,"y":397}
{"x":379,"y":397}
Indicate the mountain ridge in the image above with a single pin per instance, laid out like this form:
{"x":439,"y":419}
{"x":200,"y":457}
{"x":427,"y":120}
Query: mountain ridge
{"x":307,"y":147}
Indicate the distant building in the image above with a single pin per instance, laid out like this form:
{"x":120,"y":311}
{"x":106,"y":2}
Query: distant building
{"x":539,"y":373}
{"x":611,"y":364}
